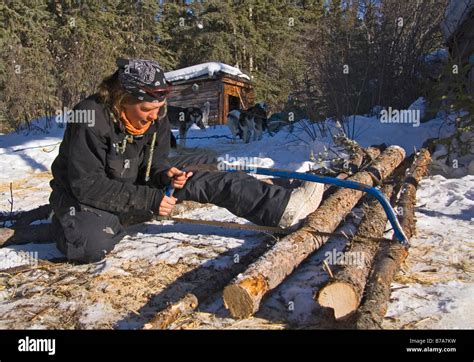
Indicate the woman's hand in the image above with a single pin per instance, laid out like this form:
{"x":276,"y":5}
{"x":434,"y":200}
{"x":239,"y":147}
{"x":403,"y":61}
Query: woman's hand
{"x":166,"y":205}
{"x":179,"y":177}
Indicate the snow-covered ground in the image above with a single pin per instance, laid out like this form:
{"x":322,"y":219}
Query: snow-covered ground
{"x":159,"y":261}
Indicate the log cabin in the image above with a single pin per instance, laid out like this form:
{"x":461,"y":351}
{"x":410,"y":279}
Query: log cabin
{"x":224,"y":87}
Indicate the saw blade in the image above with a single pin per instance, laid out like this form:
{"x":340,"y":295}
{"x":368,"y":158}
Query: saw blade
{"x":229,"y":225}
{"x":268,"y":229}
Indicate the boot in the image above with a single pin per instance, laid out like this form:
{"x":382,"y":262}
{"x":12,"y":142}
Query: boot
{"x":303,"y":201}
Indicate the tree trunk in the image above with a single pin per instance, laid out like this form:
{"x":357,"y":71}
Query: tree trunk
{"x":390,"y":256}
{"x":344,"y":292}
{"x":242,"y":297}
{"x":205,"y":288}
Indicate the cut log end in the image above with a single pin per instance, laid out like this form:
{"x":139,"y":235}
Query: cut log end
{"x":286,"y":255}
{"x":238,"y":301}
{"x":339,"y":296}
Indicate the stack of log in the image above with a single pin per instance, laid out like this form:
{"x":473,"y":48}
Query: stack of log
{"x":391,"y":255}
{"x":358,"y":293}
{"x":244,"y":294}
{"x":202,"y":291}
{"x":346,"y":289}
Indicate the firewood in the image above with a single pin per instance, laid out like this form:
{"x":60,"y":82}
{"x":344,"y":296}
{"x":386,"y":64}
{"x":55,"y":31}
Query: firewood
{"x":389,"y":258}
{"x":344,"y":291}
{"x":222,"y":277}
{"x":243,"y":295}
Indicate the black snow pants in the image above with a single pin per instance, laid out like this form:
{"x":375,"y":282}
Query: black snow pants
{"x":89,"y":234}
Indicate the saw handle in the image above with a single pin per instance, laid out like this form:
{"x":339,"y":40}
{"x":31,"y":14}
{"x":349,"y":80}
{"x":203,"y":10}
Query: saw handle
{"x":169,"y":191}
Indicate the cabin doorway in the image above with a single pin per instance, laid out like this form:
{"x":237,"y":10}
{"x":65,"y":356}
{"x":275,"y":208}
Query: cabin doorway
{"x":234,"y":103}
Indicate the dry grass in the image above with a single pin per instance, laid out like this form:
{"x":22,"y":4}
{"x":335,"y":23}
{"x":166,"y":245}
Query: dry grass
{"x":57,"y":296}
{"x":425,"y":278}
{"x":25,"y":183}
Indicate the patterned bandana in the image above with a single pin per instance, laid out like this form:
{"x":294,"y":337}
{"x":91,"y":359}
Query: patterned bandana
{"x":144,"y":79}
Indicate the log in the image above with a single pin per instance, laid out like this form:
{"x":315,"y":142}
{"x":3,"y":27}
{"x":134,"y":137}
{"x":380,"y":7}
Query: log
{"x":204,"y":288}
{"x":243,"y":295}
{"x":171,"y":313}
{"x":344,"y":292}
{"x":389,"y":258}
{"x":355,"y":162}
{"x":397,"y":177}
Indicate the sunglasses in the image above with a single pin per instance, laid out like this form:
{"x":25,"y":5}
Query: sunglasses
{"x":158,"y":93}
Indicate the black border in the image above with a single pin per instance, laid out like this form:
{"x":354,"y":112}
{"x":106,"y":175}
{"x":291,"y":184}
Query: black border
{"x":239,"y":344}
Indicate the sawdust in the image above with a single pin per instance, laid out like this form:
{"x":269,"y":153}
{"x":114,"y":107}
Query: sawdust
{"x":129,"y":291}
{"x":59,"y":296}
{"x":204,"y":320}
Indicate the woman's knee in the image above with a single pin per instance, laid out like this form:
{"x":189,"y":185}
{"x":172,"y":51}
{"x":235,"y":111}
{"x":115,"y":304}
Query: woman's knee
{"x":89,"y":236}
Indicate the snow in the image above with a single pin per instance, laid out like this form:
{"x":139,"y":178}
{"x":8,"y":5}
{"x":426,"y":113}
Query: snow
{"x":370,"y":131}
{"x":205,"y":69}
{"x":24,"y":152}
{"x":440,"y":263}
{"x":433,"y":290}
{"x":440,"y":55}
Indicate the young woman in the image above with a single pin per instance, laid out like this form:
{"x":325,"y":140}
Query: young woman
{"x":118,"y":165}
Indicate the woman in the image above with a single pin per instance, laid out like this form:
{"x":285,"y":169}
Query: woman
{"x":118,"y":165}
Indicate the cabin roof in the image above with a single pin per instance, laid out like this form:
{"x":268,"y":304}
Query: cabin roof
{"x":202,"y":71}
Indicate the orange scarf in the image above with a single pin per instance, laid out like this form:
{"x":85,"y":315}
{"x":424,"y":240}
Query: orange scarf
{"x":130,"y":128}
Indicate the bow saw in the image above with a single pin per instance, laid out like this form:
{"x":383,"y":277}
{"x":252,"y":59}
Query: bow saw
{"x":372,"y":190}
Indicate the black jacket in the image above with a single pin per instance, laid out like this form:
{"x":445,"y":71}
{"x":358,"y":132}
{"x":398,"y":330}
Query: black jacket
{"x":92,"y":170}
